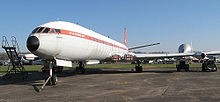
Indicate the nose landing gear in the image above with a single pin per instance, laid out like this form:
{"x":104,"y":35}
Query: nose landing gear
{"x":52,"y":78}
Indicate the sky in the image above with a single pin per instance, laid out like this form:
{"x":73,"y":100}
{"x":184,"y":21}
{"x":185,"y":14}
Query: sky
{"x":170,"y":22}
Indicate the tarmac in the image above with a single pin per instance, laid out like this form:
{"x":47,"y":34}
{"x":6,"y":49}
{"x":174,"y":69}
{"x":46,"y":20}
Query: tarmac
{"x":116,"y":85}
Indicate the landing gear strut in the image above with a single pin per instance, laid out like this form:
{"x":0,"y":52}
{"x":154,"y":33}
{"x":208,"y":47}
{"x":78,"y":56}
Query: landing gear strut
{"x":52,"y":79}
{"x":138,"y":67}
{"x":81,"y":68}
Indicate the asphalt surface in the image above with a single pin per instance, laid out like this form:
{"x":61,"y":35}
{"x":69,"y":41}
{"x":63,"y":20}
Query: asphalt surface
{"x":116,"y":85}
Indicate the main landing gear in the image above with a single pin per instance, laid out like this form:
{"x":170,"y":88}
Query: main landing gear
{"x":138,"y":67}
{"x":182,"y":65}
{"x":81,"y":68}
{"x":209,"y":66}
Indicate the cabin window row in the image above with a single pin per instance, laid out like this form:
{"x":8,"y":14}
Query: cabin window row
{"x":45,"y":30}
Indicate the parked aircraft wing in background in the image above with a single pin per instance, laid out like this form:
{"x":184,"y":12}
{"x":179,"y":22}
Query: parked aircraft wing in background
{"x":213,"y":53}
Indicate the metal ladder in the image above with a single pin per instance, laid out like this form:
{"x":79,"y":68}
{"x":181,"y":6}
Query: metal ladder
{"x":15,"y":65}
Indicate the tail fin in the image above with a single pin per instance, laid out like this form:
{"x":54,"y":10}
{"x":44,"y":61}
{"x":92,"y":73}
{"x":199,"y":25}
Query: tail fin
{"x":125,"y":37}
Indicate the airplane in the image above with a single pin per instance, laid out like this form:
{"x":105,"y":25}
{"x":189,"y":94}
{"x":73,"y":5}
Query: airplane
{"x":30,"y":57}
{"x":27,"y":59}
{"x":185,"y":52}
{"x":61,"y":42}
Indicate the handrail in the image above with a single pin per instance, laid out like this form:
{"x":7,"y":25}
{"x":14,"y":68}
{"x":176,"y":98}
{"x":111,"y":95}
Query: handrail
{"x":4,"y":42}
{"x":15,"y":43}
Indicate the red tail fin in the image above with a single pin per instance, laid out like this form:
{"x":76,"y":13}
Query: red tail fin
{"x":125,"y":37}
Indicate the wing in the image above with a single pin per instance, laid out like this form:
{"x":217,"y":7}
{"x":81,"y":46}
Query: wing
{"x":213,"y":53}
{"x":153,"y":56}
{"x":199,"y":55}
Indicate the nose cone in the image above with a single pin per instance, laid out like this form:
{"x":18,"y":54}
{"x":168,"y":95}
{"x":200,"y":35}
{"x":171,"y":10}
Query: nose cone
{"x":33,"y":43}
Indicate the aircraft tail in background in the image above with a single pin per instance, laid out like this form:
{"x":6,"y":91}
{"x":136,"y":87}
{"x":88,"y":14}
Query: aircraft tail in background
{"x":125,"y":37}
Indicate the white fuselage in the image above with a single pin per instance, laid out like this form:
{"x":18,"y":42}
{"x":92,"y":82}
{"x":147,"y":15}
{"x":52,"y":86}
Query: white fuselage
{"x":68,"y":41}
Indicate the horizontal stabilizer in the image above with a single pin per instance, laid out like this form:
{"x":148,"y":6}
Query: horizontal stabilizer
{"x":137,"y":47}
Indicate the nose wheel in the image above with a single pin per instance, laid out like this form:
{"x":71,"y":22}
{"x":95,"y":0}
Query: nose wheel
{"x":52,"y":79}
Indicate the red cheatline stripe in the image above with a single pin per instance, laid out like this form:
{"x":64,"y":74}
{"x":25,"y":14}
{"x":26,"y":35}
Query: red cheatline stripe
{"x":80,"y":35}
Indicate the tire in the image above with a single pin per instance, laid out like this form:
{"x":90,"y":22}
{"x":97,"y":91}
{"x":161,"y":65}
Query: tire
{"x":187,"y":69}
{"x":77,"y":70}
{"x":138,"y":69}
{"x":203,"y":68}
{"x":178,"y":69}
{"x":60,"y":69}
{"x":214,"y":69}
{"x":80,"y":70}
{"x":83,"y":71}
{"x":54,"y":80}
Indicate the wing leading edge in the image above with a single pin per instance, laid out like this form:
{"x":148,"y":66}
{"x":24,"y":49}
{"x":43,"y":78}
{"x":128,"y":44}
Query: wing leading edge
{"x":147,"y":56}
{"x":151,"y":56}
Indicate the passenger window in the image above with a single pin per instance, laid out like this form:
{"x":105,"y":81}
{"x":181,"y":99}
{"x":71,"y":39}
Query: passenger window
{"x":41,"y":28}
{"x":35,"y":30}
{"x":46,"y":30}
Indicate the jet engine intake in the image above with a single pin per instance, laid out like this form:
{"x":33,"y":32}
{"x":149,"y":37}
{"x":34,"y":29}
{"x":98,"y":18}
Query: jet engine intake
{"x":200,"y":55}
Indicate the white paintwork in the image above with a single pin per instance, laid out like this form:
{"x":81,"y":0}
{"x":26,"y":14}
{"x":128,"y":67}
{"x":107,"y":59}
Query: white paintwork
{"x":185,"y":50}
{"x":63,"y":63}
{"x":30,"y":56}
{"x":72,"y":48}
{"x":66,"y":47}
{"x":93,"y":62}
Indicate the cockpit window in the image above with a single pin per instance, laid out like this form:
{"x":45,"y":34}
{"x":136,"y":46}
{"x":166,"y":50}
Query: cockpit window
{"x":52,"y":30}
{"x":57,"y":30}
{"x":41,"y":28}
{"x":35,"y":30}
{"x":46,"y":30}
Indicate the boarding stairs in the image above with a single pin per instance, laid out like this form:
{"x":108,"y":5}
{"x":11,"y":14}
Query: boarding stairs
{"x":12,"y":51}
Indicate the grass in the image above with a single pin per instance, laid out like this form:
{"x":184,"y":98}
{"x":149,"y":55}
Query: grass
{"x":3,"y":69}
